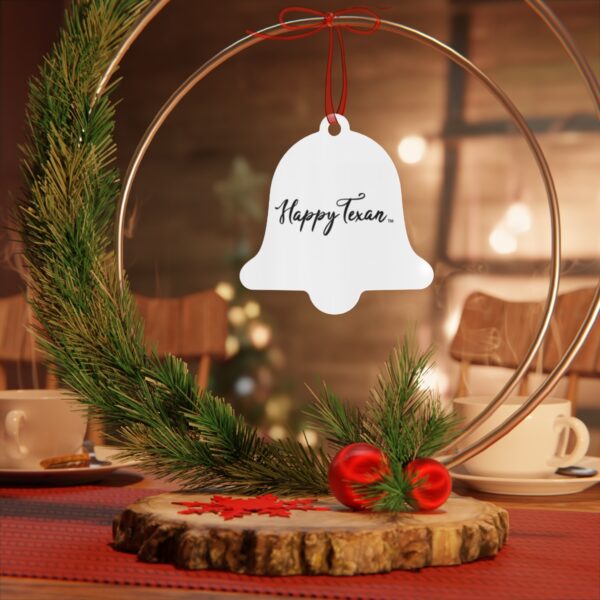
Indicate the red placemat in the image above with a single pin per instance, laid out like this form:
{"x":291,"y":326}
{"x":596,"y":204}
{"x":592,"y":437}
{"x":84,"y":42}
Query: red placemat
{"x":65,"y":533}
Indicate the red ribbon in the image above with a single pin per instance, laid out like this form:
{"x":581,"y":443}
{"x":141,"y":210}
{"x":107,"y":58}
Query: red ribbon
{"x":303,"y":30}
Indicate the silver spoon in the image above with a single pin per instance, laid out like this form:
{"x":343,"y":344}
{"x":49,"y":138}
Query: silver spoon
{"x":576,"y":471}
{"x":95,"y":462}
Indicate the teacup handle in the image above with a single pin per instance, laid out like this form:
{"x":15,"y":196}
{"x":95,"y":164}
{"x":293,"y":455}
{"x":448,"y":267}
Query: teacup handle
{"x":12,"y":428}
{"x":582,"y":442}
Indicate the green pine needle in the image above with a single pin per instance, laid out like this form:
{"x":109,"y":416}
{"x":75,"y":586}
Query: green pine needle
{"x":392,"y":493}
{"x":340,"y":423}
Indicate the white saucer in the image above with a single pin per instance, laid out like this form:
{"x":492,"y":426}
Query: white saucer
{"x":553,"y":485}
{"x":75,"y":476}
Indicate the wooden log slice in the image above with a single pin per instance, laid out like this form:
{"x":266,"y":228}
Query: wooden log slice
{"x":335,"y":542}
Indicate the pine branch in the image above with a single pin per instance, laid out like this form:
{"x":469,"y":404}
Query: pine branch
{"x":392,"y":493}
{"x":228,"y":436}
{"x":340,"y":423}
{"x":401,"y":378}
{"x":434,"y":428}
{"x":406,"y":419}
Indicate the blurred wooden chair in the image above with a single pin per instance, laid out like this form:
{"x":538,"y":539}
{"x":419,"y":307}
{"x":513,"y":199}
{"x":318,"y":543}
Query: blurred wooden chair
{"x":497,"y":332}
{"x":193,"y":327}
{"x":17,"y":347}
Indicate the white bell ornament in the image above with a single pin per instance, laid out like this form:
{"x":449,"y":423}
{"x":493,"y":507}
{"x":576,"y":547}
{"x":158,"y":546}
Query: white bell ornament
{"x":335,"y":224}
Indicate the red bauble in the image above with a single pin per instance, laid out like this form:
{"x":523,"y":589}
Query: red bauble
{"x":432,"y":480}
{"x":356,"y":464}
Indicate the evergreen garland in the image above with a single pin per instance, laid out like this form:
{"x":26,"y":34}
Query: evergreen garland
{"x":90,"y":330}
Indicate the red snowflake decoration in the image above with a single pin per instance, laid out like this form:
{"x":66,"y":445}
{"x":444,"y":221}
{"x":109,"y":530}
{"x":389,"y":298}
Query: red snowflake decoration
{"x":236,"y":508}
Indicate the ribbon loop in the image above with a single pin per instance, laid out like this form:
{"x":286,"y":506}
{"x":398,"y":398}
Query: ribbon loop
{"x":303,"y":30}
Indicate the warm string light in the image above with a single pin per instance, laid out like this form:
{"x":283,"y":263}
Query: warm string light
{"x":225,"y":290}
{"x":436,"y":380}
{"x":518,"y":218}
{"x":249,"y":330}
{"x":237,"y":316}
{"x":277,"y":432}
{"x":502,"y":240}
{"x":259,"y":334}
{"x":252,"y":309}
{"x":516,"y":221}
{"x":232,"y":346}
{"x":308,"y":437}
{"x":412,"y":148}
{"x":278,"y":408}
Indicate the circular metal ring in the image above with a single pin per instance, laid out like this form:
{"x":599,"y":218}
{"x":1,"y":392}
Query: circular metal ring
{"x":561,"y":34}
{"x":464,"y":63}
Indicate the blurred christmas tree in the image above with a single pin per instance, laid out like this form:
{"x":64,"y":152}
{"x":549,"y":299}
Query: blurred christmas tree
{"x":251,"y":377}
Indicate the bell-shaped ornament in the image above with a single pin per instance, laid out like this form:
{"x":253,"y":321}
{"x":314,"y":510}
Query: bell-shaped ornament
{"x":335,"y":224}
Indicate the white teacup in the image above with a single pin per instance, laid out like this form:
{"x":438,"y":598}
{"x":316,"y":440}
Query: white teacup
{"x":38,"y":424}
{"x":536,"y":447}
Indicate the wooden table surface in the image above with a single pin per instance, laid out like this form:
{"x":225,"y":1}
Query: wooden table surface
{"x":17,"y":588}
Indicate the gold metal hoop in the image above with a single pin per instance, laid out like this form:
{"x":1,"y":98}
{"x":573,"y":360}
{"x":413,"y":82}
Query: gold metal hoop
{"x":515,"y":115}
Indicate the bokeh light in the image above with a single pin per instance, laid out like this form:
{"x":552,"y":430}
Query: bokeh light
{"x":411,"y":149}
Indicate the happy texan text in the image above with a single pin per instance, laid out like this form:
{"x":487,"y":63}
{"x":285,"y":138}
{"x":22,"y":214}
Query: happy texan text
{"x":347,"y":213}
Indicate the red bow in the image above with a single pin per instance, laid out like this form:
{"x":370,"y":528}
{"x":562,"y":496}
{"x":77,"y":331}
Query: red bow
{"x":303,"y":30}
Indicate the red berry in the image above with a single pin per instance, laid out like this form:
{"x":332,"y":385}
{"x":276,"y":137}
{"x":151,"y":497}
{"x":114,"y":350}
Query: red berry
{"x":356,"y":464}
{"x":432,"y":480}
